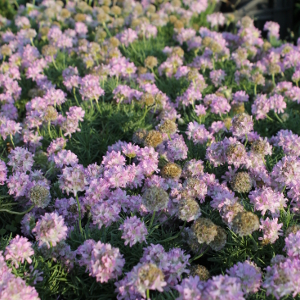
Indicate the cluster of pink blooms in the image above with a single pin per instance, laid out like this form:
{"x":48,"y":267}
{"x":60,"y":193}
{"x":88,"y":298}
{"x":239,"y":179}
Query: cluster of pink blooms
{"x":156,"y":174}
{"x":102,"y":260}
{"x":12,"y":287}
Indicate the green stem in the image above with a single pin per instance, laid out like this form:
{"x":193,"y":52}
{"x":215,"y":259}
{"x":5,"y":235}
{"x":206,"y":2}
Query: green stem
{"x":254,"y":241}
{"x":49,"y":129}
{"x":246,"y":136}
{"x":18,"y":213}
{"x":148,"y":294}
{"x":273,"y":79}
{"x":79,"y":213}
{"x":197,"y":257}
{"x":152,"y":219}
{"x":255,"y":86}
{"x":74,"y":93}
{"x":53,"y":61}
{"x":278,"y":118}
{"x":175,"y":236}
{"x":106,"y":29}
{"x":269,"y":118}
{"x":12,"y":140}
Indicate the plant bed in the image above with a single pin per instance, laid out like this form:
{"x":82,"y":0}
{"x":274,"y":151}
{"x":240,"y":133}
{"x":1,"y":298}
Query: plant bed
{"x":147,"y":153}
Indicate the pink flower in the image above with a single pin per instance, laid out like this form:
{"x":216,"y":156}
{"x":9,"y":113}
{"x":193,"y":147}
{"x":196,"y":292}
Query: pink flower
{"x":18,"y":250}
{"x":198,"y":133}
{"x":90,"y":88}
{"x":249,"y":274}
{"x":134,"y":231}
{"x":265,"y":199}
{"x":9,"y":127}
{"x":292,"y":245}
{"x":73,"y":179}
{"x":216,"y":19}
{"x":20,"y":159}
{"x":273,"y":29}
{"x":50,"y":230}
{"x":106,"y":262}
{"x":271,"y":230}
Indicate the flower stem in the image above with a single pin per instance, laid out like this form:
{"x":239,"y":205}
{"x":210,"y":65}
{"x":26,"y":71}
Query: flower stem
{"x":148,"y":294}
{"x":195,"y":258}
{"x":12,"y":140}
{"x":49,"y":129}
{"x":18,"y":213}
{"x":79,"y":213}
{"x":175,"y":236}
{"x":152,"y":219}
{"x":254,"y":241}
{"x":269,"y":118}
{"x":74,"y":93}
{"x":53,"y":60}
{"x":278,"y":118}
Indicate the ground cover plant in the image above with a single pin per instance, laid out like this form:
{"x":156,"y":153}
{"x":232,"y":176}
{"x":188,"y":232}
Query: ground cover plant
{"x":147,"y":153}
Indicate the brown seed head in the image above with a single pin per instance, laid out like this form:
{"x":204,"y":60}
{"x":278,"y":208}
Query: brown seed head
{"x":171,"y":170}
{"x":153,"y":139}
{"x":244,"y":223}
{"x":200,"y":271}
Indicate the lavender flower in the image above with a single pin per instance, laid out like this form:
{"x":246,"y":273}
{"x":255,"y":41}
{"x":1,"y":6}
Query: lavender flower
{"x":19,"y":250}
{"x":50,"y":230}
{"x":134,"y":231}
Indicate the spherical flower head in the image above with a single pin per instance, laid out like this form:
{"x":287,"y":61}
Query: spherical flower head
{"x":150,"y":62}
{"x":242,"y":124}
{"x":20,"y":159}
{"x":261,"y":147}
{"x":176,"y":148}
{"x":134,"y":231}
{"x":168,"y":126}
{"x":40,"y":195}
{"x":139,"y":136}
{"x":153,"y":139}
{"x":188,"y":209}
{"x":271,"y":230}
{"x":282,"y":277}
{"x":106,"y":262}
{"x":50,"y":230}
{"x":273,"y":29}
{"x":149,"y":277}
{"x":155,"y":198}
{"x":244,"y":223}
{"x":292,"y":245}
{"x":205,"y":230}
{"x":220,"y":239}
{"x":171,"y":170}
{"x":265,"y":199}
{"x":236,"y":154}
{"x":193,"y":168}
{"x":241,"y":182}
{"x":16,"y":288}
{"x":190,"y":288}
{"x":200,"y":271}
{"x":18,"y":250}
{"x":249,"y":274}
{"x":105,"y":213}
{"x":230,"y":210}
{"x":73,"y":179}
